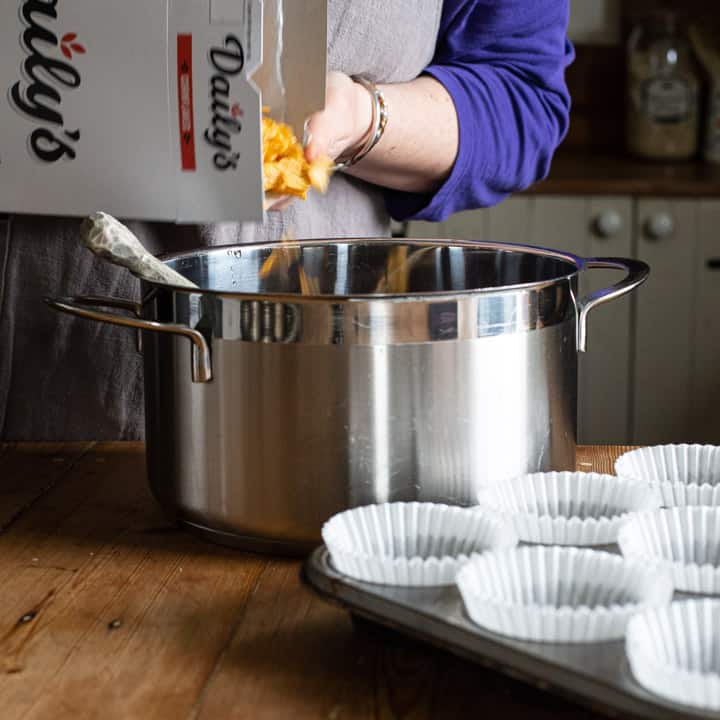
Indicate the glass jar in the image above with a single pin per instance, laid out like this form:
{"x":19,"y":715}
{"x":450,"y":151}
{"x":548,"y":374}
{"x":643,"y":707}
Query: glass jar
{"x":662,"y":119}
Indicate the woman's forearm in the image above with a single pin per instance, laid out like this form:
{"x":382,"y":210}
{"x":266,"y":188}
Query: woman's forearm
{"x":420,"y":142}
{"x":418,"y":148}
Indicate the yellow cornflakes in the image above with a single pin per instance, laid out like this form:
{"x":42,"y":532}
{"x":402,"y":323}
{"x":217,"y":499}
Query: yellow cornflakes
{"x":285,"y":169}
{"x":287,"y":172}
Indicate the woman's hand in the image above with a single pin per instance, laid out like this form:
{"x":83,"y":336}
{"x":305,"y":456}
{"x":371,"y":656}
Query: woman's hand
{"x":418,"y":148}
{"x":344,"y":122}
{"x":341,"y":126}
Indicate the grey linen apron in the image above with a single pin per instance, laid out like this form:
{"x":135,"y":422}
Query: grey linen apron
{"x":68,"y":379}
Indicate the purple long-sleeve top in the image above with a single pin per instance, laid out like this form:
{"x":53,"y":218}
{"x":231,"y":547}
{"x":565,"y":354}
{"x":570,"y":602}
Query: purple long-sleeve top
{"x":503,"y":63}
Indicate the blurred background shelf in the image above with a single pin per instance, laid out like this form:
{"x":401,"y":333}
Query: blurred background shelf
{"x":597,"y":173}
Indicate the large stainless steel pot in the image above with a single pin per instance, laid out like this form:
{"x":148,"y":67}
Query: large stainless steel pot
{"x":283,"y":409}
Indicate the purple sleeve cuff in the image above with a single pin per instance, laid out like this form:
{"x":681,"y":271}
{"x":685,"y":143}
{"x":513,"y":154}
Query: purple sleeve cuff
{"x":454,"y":194}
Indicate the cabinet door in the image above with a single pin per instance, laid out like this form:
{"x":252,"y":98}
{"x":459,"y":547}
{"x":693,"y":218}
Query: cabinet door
{"x":705,"y":376}
{"x":667,"y":240}
{"x":511,"y":221}
{"x":596,"y":227}
{"x":508,"y":222}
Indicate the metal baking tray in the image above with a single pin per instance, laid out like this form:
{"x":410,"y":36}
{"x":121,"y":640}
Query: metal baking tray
{"x":596,"y":675}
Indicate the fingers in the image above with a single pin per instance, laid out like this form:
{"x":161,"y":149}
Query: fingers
{"x":275,"y":203}
{"x":327,"y":132}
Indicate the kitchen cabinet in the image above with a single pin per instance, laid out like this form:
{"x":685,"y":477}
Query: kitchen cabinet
{"x":677,"y":343}
{"x":705,"y":376}
{"x":666,"y":232}
{"x":596,"y":227}
{"x":652,"y":370}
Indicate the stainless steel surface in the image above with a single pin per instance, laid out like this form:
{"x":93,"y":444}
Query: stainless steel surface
{"x":593,"y":674}
{"x":637,"y":274}
{"x":84,"y":307}
{"x":352,"y":396}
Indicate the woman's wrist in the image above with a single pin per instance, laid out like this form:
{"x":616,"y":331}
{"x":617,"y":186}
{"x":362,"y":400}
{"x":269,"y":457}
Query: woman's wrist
{"x":362,"y":119}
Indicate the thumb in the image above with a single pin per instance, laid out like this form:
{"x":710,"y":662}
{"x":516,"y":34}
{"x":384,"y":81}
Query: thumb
{"x":325,"y":135}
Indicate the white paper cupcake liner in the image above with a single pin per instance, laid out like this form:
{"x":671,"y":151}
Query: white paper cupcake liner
{"x":555,"y":594}
{"x":683,"y":474}
{"x":686,"y":540}
{"x":411,"y":543}
{"x":568,"y":508}
{"x":674,"y":652}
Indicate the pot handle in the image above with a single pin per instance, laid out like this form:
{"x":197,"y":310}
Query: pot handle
{"x":87,"y":307}
{"x":637,"y":274}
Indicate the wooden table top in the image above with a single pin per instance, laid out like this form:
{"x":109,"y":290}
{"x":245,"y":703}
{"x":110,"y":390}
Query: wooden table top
{"x":108,"y":611}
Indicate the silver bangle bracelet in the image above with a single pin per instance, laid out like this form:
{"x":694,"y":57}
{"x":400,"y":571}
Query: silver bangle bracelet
{"x":377,"y":127}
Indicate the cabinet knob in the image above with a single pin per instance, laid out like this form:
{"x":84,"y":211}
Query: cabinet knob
{"x":608,"y":223}
{"x":659,"y":226}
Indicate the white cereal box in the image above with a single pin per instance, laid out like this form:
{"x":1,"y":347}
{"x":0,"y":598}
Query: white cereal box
{"x":150,"y":109}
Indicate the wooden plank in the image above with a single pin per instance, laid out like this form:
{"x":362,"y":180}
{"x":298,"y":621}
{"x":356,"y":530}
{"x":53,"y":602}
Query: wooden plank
{"x":705,"y":380}
{"x":664,"y":330}
{"x":29,"y":471}
{"x":127,"y":613}
{"x":108,"y":611}
{"x":600,"y":458}
{"x":294,"y":647}
{"x":578,"y":172}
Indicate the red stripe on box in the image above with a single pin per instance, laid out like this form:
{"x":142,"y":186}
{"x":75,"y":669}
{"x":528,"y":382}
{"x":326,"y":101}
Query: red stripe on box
{"x":185,"y":102}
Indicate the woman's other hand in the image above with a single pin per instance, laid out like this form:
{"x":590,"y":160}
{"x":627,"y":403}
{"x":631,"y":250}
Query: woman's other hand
{"x":341,"y":126}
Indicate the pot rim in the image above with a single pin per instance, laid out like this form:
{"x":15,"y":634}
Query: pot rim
{"x":578,"y":262}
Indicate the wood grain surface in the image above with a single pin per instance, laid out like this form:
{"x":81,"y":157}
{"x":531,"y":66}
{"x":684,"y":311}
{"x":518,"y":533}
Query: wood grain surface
{"x":108,"y":611}
{"x":593,"y":173}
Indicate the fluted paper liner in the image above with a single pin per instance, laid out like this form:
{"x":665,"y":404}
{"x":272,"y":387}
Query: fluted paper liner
{"x":674,"y":652}
{"x":683,"y":474}
{"x":568,"y":508}
{"x":411,"y":543}
{"x":686,"y":540}
{"x":557,"y":594}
